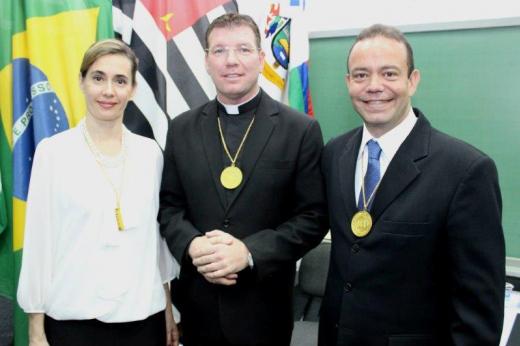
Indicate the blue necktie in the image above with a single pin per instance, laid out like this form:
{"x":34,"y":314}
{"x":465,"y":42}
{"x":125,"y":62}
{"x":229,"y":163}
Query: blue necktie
{"x":372,"y":175}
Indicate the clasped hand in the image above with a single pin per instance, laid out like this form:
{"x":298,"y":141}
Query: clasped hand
{"x":219,"y":257}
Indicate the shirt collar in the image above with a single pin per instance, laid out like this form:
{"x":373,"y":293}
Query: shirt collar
{"x":392,"y":140}
{"x":242,"y":107}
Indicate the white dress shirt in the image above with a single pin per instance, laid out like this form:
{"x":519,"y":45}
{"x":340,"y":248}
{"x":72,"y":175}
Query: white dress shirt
{"x":389,"y":144}
{"x":76,"y":263}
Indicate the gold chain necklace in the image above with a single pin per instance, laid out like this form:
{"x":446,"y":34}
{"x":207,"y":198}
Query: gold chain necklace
{"x":117,"y":192}
{"x":231,"y":176}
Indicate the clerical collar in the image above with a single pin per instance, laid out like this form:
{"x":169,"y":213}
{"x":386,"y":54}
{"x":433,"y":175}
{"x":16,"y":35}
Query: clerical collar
{"x":241,"y":108}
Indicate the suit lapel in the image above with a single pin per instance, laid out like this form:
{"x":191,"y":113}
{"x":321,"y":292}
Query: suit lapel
{"x":403,"y":169}
{"x":256,"y":141}
{"x":347,"y":161}
{"x":213,"y":146}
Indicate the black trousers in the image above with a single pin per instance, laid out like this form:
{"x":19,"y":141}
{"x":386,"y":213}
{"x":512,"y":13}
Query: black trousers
{"x":192,"y":340}
{"x":222,"y":343}
{"x":150,"y":332}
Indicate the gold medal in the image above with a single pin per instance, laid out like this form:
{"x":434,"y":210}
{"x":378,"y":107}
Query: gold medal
{"x":361,"y":223}
{"x":231,"y":177}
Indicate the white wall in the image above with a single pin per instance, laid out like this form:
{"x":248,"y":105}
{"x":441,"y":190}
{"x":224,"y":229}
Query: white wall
{"x":328,"y":15}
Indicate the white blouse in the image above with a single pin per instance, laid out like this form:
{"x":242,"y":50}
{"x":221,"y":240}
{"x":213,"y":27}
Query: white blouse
{"x":76,"y":263}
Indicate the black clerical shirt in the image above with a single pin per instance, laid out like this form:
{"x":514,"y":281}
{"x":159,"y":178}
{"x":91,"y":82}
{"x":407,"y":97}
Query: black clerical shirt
{"x":234,"y":127}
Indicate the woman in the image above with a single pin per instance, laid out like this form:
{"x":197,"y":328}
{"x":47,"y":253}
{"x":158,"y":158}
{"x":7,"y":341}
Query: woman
{"x":95,"y":270}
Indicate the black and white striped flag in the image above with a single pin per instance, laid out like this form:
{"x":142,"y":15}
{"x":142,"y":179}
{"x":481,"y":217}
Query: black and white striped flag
{"x":168,"y":38}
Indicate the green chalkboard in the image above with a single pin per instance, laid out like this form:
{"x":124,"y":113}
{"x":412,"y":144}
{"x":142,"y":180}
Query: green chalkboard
{"x":470,"y":88}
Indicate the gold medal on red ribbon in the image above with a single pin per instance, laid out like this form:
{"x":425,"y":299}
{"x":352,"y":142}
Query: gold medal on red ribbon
{"x":231,"y":177}
{"x":361,"y":223}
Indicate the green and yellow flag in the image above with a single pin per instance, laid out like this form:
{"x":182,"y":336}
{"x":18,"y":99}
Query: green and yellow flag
{"x":41,"y":46}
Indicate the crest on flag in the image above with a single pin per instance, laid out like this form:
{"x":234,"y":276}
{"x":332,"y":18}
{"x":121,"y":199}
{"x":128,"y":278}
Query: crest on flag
{"x":285,"y":73}
{"x":278,"y":30}
{"x":277,"y":46}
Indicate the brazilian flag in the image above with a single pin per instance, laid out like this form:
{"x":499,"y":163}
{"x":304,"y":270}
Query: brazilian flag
{"x":41,"y":46}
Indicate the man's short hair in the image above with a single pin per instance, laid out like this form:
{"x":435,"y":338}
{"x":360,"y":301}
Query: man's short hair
{"x":229,"y":20}
{"x":386,"y":31}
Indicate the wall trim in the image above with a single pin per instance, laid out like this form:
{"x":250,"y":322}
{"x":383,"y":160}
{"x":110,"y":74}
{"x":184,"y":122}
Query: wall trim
{"x":459,"y":25}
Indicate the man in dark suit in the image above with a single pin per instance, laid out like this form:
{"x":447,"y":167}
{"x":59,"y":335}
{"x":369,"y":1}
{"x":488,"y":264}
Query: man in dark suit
{"x":242,"y":199}
{"x":417,"y":244}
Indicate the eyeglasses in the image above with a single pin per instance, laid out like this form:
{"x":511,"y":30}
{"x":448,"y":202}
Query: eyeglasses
{"x":241,"y":51}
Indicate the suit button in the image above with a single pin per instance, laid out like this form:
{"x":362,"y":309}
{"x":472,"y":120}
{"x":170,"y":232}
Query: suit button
{"x":348,"y":287}
{"x":226,"y":223}
{"x":355,"y":248}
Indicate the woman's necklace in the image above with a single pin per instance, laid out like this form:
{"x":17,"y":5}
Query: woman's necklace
{"x":99,"y":160}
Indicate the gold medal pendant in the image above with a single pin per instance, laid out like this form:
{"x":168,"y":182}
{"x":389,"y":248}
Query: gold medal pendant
{"x":119,"y":219}
{"x":231,"y":177}
{"x":361,"y":223}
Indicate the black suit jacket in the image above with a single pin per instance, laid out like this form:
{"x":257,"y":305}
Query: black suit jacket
{"x":431,"y":272}
{"x":278,"y":211}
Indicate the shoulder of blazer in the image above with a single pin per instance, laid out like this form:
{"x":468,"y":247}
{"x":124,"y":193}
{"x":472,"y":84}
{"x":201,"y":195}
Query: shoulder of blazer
{"x":337,"y":146}
{"x":455,"y":147}
{"x":270,"y":107}
{"x":191,"y":114}
{"x":427,"y":140}
{"x":298,"y":123}
{"x":339,"y":142}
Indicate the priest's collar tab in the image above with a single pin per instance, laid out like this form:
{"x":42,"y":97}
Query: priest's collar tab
{"x":240,"y":108}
